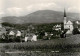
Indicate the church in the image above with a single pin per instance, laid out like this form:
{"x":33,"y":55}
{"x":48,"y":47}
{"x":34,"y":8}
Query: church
{"x":68,"y":25}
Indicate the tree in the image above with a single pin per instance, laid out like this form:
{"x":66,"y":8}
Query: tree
{"x":76,"y":31}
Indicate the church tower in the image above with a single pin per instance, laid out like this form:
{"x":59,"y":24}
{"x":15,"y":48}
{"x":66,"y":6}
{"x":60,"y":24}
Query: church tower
{"x":65,"y":19}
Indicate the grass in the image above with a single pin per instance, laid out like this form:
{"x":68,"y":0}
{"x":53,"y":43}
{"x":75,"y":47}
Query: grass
{"x":64,"y":45}
{"x":41,"y":45}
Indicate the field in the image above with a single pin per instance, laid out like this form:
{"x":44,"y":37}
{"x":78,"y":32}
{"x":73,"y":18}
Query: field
{"x":69,"y":44}
{"x":60,"y":43}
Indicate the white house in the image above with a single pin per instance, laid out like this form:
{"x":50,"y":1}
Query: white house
{"x":18,"y":33}
{"x":77,"y":22}
{"x":30,"y":37}
{"x":11,"y":33}
{"x":57,"y":27}
{"x":34,"y":38}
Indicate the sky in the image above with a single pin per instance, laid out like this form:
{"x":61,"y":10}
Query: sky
{"x":24,"y":7}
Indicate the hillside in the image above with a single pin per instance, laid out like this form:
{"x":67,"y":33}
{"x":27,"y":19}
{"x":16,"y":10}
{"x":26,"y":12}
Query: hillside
{"x":41,"y":16}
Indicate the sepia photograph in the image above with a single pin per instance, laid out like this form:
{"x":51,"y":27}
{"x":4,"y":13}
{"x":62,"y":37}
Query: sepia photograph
{"x":39,"y":27}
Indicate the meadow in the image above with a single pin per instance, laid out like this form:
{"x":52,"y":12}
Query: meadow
{"x":61,"y":44}
{"x":69,"y":46}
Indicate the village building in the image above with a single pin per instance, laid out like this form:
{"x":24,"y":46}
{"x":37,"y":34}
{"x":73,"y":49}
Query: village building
{"x":77,"y":25}
{"x":57,"y":27}
{"x":68,"y":24}
{"x":18,"y":34}
{"x":30,"y":37}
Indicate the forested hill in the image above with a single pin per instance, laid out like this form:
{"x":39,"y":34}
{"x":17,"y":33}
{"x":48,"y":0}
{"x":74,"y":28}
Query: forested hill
{"x":41,"y":16}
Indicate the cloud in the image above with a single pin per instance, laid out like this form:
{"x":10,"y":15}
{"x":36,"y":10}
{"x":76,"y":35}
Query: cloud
{"x":74,"y":9}
{"x":1,"y":13}
{"x":24,"y":7}
{"x":17,"y":11}
{"x":14,"y":11}
{"x":42,"y":6}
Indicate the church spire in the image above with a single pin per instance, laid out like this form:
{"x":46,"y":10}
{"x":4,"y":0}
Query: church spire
{"x":64,"y":13}
{"x":65,"y":19}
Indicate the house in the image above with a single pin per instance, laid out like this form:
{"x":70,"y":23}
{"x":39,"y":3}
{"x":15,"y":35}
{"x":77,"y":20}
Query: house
{"x":18,"y":34}
{"x":77,"y":24}
{"x":30,"y":37}
{"x":57,"y":27}
{"x":11,"y":33}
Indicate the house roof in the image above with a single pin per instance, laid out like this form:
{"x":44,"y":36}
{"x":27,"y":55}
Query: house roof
{"x":77,"y":22}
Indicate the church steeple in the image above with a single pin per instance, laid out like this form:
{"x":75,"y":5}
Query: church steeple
{"x":64,"y":13}
{"x":65,"y":19}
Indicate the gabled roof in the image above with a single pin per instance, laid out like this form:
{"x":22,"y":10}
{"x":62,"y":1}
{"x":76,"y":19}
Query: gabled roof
{"x":15,"y":31}
{"x":58,"y":25}
{"x":69,"y":22}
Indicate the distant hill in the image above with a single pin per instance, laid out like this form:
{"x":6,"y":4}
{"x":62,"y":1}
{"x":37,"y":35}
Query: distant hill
{"x":41,"y":16}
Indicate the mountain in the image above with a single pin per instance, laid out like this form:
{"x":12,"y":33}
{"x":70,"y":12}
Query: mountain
{"x":41,"y":16}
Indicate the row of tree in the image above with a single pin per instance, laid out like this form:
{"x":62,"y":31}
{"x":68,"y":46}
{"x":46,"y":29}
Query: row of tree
{"x":39,"y":28}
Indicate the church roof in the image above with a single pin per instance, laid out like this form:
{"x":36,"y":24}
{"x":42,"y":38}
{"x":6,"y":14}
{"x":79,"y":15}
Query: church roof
{"x":69,"y":22}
